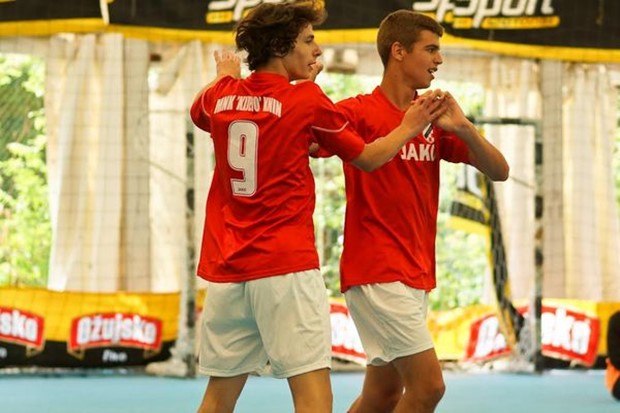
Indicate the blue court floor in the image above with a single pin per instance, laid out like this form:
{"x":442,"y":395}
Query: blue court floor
{"x":552,"y":392}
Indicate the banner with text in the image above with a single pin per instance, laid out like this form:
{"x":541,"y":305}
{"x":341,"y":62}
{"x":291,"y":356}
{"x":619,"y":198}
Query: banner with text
{"x":557,"y":29}
{"x":86,"y":330}
{"x":567,"y":334}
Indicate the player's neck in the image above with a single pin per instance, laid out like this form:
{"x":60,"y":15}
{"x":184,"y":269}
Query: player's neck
{"x":275,"y":66}
{"x":396,"y":91}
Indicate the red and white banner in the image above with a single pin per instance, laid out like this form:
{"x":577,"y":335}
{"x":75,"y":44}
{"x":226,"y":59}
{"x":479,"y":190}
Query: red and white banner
{"x":21,"y":327}
{"x":486,"y":341}
{"x":346,"y":344}
{"x":567,"y":334}
{"x":115,"y":329}
{"x":83,"y":330}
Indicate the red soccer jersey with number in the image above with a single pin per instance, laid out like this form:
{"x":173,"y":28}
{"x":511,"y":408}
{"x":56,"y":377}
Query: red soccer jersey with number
{"x":260,"y":204}
{"x":391,"y":213}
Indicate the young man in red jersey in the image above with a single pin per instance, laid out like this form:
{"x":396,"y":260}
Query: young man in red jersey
{"x":388,"y":261}
{"x":266,"y":300}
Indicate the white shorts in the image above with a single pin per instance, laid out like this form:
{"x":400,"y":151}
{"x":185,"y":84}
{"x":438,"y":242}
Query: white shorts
{"x":390,"y":319}
{"x":281,"y":320}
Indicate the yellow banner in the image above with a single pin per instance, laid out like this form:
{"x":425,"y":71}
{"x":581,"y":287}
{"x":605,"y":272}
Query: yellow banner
{"x":72,"y":329}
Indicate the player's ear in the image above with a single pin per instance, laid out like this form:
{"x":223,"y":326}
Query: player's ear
{"x":397,"y":51}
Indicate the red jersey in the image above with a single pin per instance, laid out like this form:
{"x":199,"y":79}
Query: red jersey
{"x":260,"y":204}
{"x":391,"y":213}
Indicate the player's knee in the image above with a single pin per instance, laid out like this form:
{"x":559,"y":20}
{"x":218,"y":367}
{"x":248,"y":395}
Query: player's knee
{"x":383,"y":399}
{"x":392,"y":398}
{"x":435,"y":392}
{"x":440,"y":391}
{"x":322,"y":404}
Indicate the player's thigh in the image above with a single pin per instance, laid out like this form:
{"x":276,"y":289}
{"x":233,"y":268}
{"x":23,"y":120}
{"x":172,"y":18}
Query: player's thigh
{"x":312,"y":391}
{"x":390,"y":319}
{"x":230,"y":343}
{"x":292,"y":313}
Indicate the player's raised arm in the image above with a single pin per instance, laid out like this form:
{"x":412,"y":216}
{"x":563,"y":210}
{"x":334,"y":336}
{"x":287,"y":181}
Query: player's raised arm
{"x":227,"y":63}
{"x":482,"y":154}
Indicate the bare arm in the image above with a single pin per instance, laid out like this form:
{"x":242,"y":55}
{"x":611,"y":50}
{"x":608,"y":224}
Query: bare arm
{"x":422,"y":111}
{"x":227,"y":63}
{"x":482,"y":154}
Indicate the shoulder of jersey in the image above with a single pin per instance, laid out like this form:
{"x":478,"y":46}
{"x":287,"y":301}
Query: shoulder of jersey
{"x":308,"y":85}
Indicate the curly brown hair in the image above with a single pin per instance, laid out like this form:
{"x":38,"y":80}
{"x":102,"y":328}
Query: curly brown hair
{"x":270,"y":30}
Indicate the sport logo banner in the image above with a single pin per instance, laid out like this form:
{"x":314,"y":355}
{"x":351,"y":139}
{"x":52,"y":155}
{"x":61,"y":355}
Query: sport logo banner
{"x":558,"y":29}
{"x":485,"y":14}
{"x":227,"y":11}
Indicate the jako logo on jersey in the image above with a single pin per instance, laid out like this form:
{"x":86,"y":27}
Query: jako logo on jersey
{"x":229,"y":11}
{"x":491,"y":14}
{"x":21,"y":327}
{"x":417,"y":151}
{"x":115,"y":329}
{"x":422,"y":152}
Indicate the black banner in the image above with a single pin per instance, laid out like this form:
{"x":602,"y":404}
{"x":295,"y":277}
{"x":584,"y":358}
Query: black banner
{"x":41,"y":17}
{"x":221,"y":15}
{"x":562,"y":23}
{"x":566,"y":23}
{"x":561,"y":29}
{"x":55,"y":354}
{"x":29,"y":10}
{"x":554,"y":29}
{"x":164,"y":14}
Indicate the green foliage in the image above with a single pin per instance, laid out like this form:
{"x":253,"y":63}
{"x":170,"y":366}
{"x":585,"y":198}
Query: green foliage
{"x":330,"y":207}
{"x":25,"y":230}
{"x":462,"y":257}
{"x":21,"y":85}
